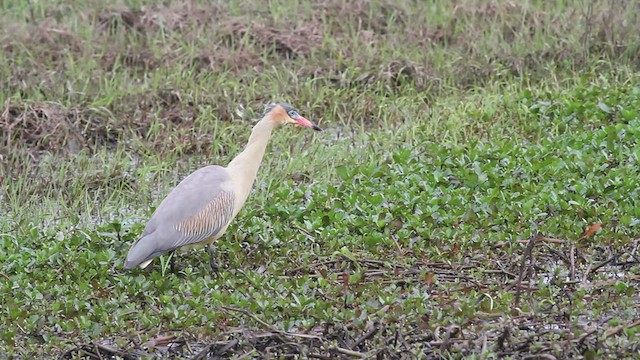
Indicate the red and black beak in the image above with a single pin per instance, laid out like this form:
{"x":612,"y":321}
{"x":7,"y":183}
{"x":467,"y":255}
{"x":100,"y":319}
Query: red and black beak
{"x":306,"y":123}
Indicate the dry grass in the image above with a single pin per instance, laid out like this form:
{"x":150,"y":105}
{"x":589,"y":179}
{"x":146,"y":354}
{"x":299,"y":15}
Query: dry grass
{"x":381,"y":47}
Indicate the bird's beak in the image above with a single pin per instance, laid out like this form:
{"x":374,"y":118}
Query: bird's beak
{"x":306,"y":123}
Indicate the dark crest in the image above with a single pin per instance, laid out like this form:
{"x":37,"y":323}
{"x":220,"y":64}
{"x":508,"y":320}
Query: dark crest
{"x":286,"y":106}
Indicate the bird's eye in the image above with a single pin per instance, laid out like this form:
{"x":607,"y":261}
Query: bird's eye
{"x":293,"y":114}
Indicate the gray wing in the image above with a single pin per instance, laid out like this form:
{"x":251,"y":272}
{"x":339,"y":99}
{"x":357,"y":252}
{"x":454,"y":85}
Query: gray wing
{"x":195,"y":210}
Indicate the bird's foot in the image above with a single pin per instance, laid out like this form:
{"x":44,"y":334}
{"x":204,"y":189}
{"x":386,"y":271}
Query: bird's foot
{"x":214,"y":266}
{"x":212,"y":259}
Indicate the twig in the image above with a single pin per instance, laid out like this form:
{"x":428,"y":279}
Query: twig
{"x":558,"y":254}
{"x":502,"y":270}
{"x":204,"y":353}
{"x":353,"y":353}
{"x":319,"y":356}
{"x":540,"y":356}
{"x":504,"y":337}
{"x":5,"y":276}
{"x":451,"y":333}
{"x":395,"y":241}
{"x":527,"y":255}
{"x":253,"y":316}
{"x":247,"y":354}
{"x":86,"y":353}
{"x":380,"y":262}
{"x":267,"y":325}
{"x":606,"y":262}
{"x":304,"y":231}
{"x":435,"y":344}
{"x":587,"y":272}
{"x":345,"y":287}
{"x":586,"y":335}
{"x":314,"y":265}
{"x":572,"y":262}
{"x":369,"y":334}
{"x":545,"y":239}
{"x":617,"y":329}
{"x":397,"y":337}
{"x":552,"y":240}
{"x":227,"y":347}
{"x":591,"y":269}
{"x":97,"y":350}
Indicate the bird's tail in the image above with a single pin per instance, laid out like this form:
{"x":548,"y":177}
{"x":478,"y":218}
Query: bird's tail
{"x":141,"y":253}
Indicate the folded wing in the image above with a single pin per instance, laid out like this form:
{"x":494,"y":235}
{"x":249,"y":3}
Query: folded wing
{"x":198,"y":209}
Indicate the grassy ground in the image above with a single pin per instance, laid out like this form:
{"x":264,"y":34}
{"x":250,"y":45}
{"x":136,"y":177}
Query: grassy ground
{"x":475,"y":193}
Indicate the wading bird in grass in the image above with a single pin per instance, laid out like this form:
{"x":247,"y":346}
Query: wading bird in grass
{"x":199,"y":210}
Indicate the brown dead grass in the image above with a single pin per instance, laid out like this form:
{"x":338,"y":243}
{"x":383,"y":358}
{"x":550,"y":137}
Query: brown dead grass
{"x":364,"y":14}
{"x":53,"y":128}
{"x":126,"y":39}
{"x":50,"y":37}
{"x":288,"y":42}
{"x":134,"y":59}
{"x":47,"y":126}
{"x":178,"y":16}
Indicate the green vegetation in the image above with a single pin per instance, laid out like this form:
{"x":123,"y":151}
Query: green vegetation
{"x":475,"y":193}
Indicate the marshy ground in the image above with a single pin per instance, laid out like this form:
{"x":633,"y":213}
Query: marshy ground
{"x":475,"y":193}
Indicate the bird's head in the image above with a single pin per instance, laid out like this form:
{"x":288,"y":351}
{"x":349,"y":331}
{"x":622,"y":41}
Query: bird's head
{"x":283,"y":113}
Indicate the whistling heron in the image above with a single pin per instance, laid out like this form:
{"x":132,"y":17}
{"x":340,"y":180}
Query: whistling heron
{"x":199,"y":210}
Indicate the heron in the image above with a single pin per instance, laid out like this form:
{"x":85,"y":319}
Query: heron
{"x":200,"y":208}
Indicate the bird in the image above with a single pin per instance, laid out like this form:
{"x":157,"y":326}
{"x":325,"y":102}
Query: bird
{"x":200,"y":208}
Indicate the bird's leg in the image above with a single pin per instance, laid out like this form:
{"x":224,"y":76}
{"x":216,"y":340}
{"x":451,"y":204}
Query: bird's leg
{"x":172,"y":262}
{"x":212,"y":258}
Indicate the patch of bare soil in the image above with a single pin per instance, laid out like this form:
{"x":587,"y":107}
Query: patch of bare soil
{"x":142,"y":59}
{"x":282,"y":42}
{"x":178,"y":16}
{"x":51,"y":127}
{"x":287,"y":41}
{"x":48,"y":39}
{"x":221,"y":57}
{"x":229,"y":34}
{"x":373,"y":16}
